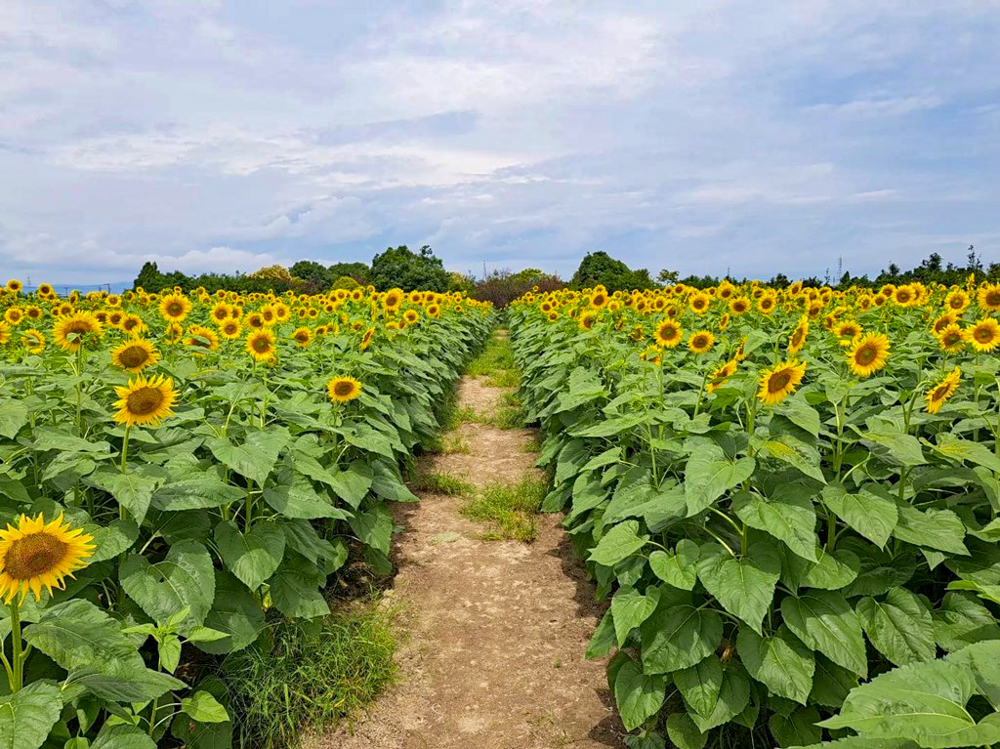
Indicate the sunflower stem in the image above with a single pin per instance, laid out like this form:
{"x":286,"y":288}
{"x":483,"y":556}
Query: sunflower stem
{"x":17,"y":652}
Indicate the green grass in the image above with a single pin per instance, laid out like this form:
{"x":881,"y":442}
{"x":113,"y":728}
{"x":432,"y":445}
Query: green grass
{"x":504,"y":378}
{"x":509,"y":510}
{"x":505,"y":417}
{"x":451,"y":444}
{"x":497,"y":355}
{"x":312,"y":677}
{"x":441,"y":483}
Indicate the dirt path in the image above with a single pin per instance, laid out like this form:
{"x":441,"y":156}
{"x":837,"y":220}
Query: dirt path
{"x":497,"y":629}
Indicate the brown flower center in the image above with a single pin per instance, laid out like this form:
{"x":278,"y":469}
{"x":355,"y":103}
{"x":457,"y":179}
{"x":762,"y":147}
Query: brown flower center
{"x":866,"y":355}
{"x":175,"y":308}
{"x":33,"y":555}
{"x":343,"y":388}
{"x":134,"y":356}
{"x":778,"y":381}
{"x":993,"y":299}
{"x":939,"y":393}
{"x":144,"y":401}
{"x":261,"y":345}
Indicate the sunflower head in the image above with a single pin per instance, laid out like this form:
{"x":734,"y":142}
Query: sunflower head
{"x":175,"y":307}
{"x":868,"y":354}
{"x":668,"y":333}
{"x":984,"y":335}
{"x":989,"y":297}
{"x":71,"y":330}
{"x":230,"y":329}
{"x":952,"y":338}
{"x":798,"y":336}
{"x":701,"y":341}
{"x":14,"y":285}
{"x":588,"y":320}
{"x":343,"y":389}
{"x":36,"y":554}
{"x":200,"y":337}
{"x":145,"y":402}
{"x":134,"y":355}
{"x":33,"y":340}
{"x":260,"y":344}
{"x":739,"y":305}
{"x":941,"y":392}
{"x":720,"y":374}
{"x":780,"y":381}
{"x":302,"y":337}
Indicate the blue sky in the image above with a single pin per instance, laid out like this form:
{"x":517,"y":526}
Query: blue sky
{"x":697,"y":135}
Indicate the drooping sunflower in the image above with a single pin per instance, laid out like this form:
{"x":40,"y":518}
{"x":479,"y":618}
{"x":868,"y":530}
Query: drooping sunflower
{"x":4,"y":332}
{"x":135,"y":355}
{"x":37,"y":554}
{"x":587,"y":320}
{"x":70,"y":331}
{"x":988,"y":297}
{"x":780,"y":381}
{"x":33,"y":340}
{"x":343,"y":389}
{"x":366,"y":337}
{"x":143,"y":401}
{"x":941,"y":392}
{"x":302,"y":337}
{"x":868,"y":354}
{"x":952,"y":338}
{"x":984,"y":335}
{"x":668,"y":333}
{"x":720,"y":374}
{"x":260,"y":344}
{"x":701,"y":341}
{"x":174,"y":307}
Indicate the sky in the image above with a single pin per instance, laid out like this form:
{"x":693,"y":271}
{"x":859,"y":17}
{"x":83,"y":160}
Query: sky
{"x":703,"y":136}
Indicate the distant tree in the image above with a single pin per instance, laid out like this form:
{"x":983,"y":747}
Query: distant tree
{"x":667,"y":277}
{"x":345,"y":282}
{"x":408,"y":270}
{"x":458,"y":282}
{"x":358,"y":271}
{"x":779,"y":279}
{"x":316,"y":275}
{"x":600,"y":268}
{"x":501,"y":287}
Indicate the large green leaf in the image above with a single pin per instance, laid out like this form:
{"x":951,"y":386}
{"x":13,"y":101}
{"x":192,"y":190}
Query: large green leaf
{"x":830,"y":571}
{"x":901,"y":448}
{"x":744,"y":586}
{"x":123,"y":737}
{"x":13,"y":416}
{"x":870,"y":511}
{"x":960,"y":449}
{"x":184,"y":579}
{"x":786,"y":513}
{"x":678,"y":567}
{"x":234,"y":612}
{"x":27,"y":716}
{"x":935,"y":529}
{"x":252,"y":556}
{"x":900,"y":627}
{"x":199,"y":492}
{"x":683,"y":732}
{"x":296,"y":498}
{"x":131,"y":490}
{"x":797,"y":728}
{"x":700,"y":686}
{"x":824,"y":621}
{"x":621,"y":541}
{"x":710,"y":473}
{"x":779,"y":661}
{"x":374,"y":527}
{"x":295,"y":588}
{"x":638,"y":695}
{"x":256,"y":457}
{"x":962,"y":620}
{"x":678,"y":636}
{"x":630,"y":609}
{"x":734,"y":695}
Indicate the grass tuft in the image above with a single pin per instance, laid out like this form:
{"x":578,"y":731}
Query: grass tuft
{"x":509,"y":509}
{"x":312,"y":677}
{"x":504,"y":378}
{"x":442,"y":483}
{"x":497,"y":355}
{"x":505,"y":417}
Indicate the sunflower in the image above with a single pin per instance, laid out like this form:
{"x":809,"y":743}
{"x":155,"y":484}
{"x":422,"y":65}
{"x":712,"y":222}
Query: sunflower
{"x":988,"y":297}
{"x":905,"y":296}
{"x":984,"y":335}
{"x":220,"y":313}
{"x":145,"y":401}
{"x":720,"y":374}
{"x":256,"y":321}
{"x":599,"y":299}
{"x":133,"y":324}
{"x":14,"y":285}
{"x":847,"y":329}
{"x":175,"y":307}
{"x":740,"y":305}
{"x":943,"y":322}
{"x":14,"y":315}
{"x":956,"y":301}
{"x":33,"y":340}
{"x":135,"y":355}
{"x":78,"y":325}
{"x":33,"y":313}
{"x":366,"y":338}
{"x":941,"y":392}
{"x":230,"y":330}
{"x":4,"y":332}
{"x":260,"y":344}
{"x":343,"y":389}
{"x":668,"y":333}
{"x":868,"y":354}
{"x":434,"y":310}
{"x":201,"y":337}
{"x":780,"y":381}
{"x":724,"y":321}
{"x":302,"y":337}
{"x":767,"y":303}
{"x":37,"y":554}
{"x":588,"y":320}
{"x":701,"y":341}
{"x":392,"y":299}
{"x":952,"y":338}
{"x":411,"y":316}
{"x":699,"y":303}
{"x":45,"y":289}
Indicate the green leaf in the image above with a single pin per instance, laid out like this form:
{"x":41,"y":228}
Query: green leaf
{"x":700,"y":686}
{"x":353,"y":484}
{"x":27,"y":716}
{"x":824,"y":621}
{"x":900,"y":627}
{"x":637,"y":695}
{"x":962,"y":620}
{"x":744,"y":586}
{"x":710,"y":473}
{"x":936,"y":529}
{"x":297,"y":499}
{"x":797,"y":728}
{"x":295,"y":588}
{"x":832,"y":571}
{"x":684,"y":733}
{"x":253,"y":556}
{"x":256,"y":457}
{"x":603,"y":638}
{"x":618,"y":543}
{"x":13,"y":416}
{"x":123,"y":737}
{"x":204,"y":708}
{"x":734,"y":696}
{"x":678,"y":567}
{"x":800,"y":413}
{"x":185,"y":578}
{"x":787,"y":513}
{"x":871,"y":511}
{"x":199,"y":492}
{"x":131,"y":490}
{"x":630,"y":609}
{"x":831,"y":683}
{"x":903,"y":449}
{"x":115,"y":683}
{"x":374,"y":527}
{"x":678,"y":636}
{"x":234,"y":612}
{"x":788,"y":445}
{"x":779,"y":661}
{"x":77,"y":633}
{"x":960,"y":449}
{"x":112,"y":540}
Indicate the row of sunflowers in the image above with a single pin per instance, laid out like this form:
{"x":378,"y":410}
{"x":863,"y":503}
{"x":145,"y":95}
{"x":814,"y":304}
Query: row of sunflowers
{"x":178,"y":470}
{"x":790,"y":497}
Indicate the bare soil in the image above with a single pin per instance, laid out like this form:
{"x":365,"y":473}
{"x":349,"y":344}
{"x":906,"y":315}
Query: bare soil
{"x":496,"y":630}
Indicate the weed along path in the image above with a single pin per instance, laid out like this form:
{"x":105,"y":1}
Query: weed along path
{"x":498,"y":612}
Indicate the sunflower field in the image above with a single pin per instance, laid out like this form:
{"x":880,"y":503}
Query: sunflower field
{"x":790,"y":497}
{"x":176,"y":469}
